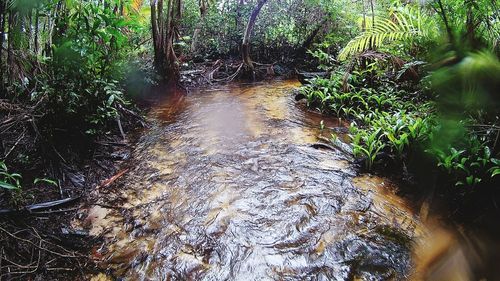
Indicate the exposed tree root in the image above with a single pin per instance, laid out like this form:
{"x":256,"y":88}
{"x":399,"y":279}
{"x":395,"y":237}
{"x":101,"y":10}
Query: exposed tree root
{"x":222,"y":71}
{"x":37,"y":241}
{"x":26,"y":251}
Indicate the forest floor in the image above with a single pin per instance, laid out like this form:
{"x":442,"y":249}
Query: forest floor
{"x":37,"y":237}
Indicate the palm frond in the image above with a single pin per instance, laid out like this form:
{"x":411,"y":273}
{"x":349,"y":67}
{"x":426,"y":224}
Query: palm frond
{"x":137,"y":5}
{"x":400,"y":25}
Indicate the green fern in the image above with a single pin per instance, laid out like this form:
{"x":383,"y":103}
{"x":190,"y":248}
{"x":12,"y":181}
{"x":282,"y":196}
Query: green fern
{"x":403,"y":24}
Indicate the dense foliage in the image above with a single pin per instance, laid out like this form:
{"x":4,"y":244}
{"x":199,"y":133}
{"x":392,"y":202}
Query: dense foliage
{"x":407,"y":97}
{"x":64,"y":66}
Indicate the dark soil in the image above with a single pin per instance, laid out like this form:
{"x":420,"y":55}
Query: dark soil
{"x":43,"y":244}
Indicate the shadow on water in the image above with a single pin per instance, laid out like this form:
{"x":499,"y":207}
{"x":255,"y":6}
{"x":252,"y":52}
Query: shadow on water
{"x":225,"y":185}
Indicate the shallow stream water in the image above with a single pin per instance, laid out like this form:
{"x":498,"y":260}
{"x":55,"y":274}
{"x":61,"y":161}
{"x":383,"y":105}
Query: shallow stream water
{"x":227,"y":185}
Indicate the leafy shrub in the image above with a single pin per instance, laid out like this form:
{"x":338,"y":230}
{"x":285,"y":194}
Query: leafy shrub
{"x":391,"y":120}
{"x":384,"y":119}
{"x":80,"y":87}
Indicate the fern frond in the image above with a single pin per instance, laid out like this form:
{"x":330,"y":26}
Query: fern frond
{"x":401,"y":25}
{"x":137,"y":5}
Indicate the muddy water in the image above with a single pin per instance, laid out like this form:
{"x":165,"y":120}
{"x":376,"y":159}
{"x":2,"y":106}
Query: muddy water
{"x":225,"y":185}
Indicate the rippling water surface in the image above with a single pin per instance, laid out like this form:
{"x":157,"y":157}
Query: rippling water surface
{"x":226,"y":186}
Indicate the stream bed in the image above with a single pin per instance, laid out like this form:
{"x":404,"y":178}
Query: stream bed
{"x":226,"y":184}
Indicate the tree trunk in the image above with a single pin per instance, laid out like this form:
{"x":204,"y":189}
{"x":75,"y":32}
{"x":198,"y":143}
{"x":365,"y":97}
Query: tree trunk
{"x":3,"y":14}
{"x":156,"y":37}
{"x":196,"y":34}
{"x":36,"y":44}
{"x":373,"y":13}
{"x":443,"y":15}
{"x":245,"y":45}
{"x":10,"y":45}
{"x":470,"y":24}
{"x":309,"y":40}
{"x":203,"y":11}
{"x":164,"y":25}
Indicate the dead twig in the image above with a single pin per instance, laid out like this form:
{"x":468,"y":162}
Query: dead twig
{"x":112,"y":179}
{"x":15,"y":144}
{"x":120,"y":127}
{"x":71,"y":255}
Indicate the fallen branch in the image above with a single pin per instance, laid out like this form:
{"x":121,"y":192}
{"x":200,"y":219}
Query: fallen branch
{"x":192,"y":72}
{"x":15,"y":144}
{"x":40,"y":206}
{"x":120,"y":127}
{"x":108,"y":182}
{"x":111,"y":143}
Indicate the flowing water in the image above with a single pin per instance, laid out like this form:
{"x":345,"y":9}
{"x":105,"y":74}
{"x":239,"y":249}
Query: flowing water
{"x":227,"y":185}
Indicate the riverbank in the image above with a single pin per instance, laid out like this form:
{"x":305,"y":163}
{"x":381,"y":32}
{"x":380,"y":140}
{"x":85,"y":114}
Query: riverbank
{"x":38,"y":238}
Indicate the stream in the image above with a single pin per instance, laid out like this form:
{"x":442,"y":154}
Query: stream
{"x":226,"y":184}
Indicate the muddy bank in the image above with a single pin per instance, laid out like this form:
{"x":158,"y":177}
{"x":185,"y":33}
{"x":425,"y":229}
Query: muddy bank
{"x":37,"y":237}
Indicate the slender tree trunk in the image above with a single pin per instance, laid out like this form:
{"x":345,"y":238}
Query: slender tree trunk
{"x":363,"y":25}
{"x":442,"y":13}
{"x":373,"y":13}
{"x":238,"y":14}
{"x":164,"y":25}
{"x":245,"y":45}
{"x":56,"y":28}
{"x":36,"y":45}
{"x":196,"y":34}
{"x":10,"y":45}
{"x":203,"y":10}
{"x":3,"y":14}
{"x":156,"y":38}
{"x":48,"y":27}
{"x":303,"y":48}
{"x":470,"y":25}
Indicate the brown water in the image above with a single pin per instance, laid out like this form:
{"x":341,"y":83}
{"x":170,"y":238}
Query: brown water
{"x":225,"y":185}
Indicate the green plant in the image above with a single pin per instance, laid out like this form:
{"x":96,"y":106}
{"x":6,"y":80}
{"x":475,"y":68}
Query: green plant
{"x":325,"y":60}
{"x":10,"y":181}
{"x":398,"y":143}
{"x":468,"y":166}
{"x":419,"y":128}
{"x":367,"y":144}
{"x":495,"y":170}
{"x":46,"y":181}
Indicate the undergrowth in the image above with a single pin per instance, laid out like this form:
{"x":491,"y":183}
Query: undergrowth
{"x":393,"y":122}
